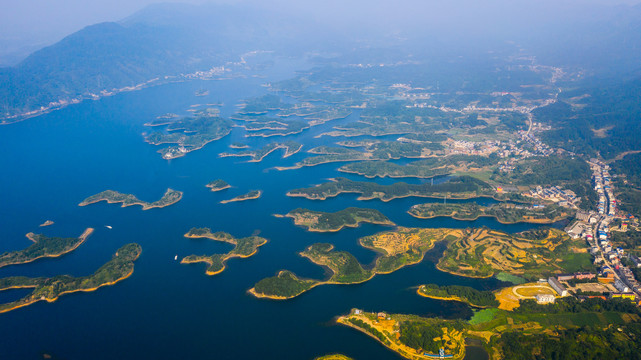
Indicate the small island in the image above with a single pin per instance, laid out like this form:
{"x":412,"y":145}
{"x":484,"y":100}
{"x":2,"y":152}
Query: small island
{"x":243,"y":248}
{"x":46,"y":223}
{"x":334,"y":357}
{"x":239,"y":146}
{"x":504,"y":213}
{"x":218,"y":185}
{"x":254,"y":194}
{"x":325,"y":222}
{"x":120,"y":267}
{"x":171,"y":197}
{"x":42,"y":247}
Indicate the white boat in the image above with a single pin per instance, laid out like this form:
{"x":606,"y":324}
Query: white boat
{"x":108,"y":226}
{"x":176,"y":257}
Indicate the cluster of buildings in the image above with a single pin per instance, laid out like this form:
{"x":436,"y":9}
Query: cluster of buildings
{"x":603,"y":187}
{"x":471,"y":148}
{"x":555,"y":194}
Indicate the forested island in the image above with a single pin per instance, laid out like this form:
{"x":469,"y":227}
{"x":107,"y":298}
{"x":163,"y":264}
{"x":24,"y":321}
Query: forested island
{"x":218,"y":185}
{"x":324,"y":221}
{"x":505,"y":213}
{"x":42,"y":247}
{"x":169,"y":198}
{"x":291,"y":148}
{"x":254,"y":194}
{"x":118,"y":268}
{"x":243,"y":248}
{"x":189,"y":134}
{"x":463,"y":187}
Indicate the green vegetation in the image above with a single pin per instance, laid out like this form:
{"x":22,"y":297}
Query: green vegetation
{"x":344,"y":266}
{"x":334,"y":357}
{"x":43,"y":246}
{"x":371,"y":150}
{"x":218,"y":185}
{"x":630,"y":239}
{"x":548,"y":170}
{"x":465,"y":294}
{"x":532,"y":331}
{"x":118,"y":268}
{"x":426,"y":168}
{"x":254,"y":194}
{"x":506,"y":213}
{"x":243,"y":248}
{"x":285,"y":285}
{"x":291,"y":148}
{"x":463,"y":187}
{"x":171,"y":197}
{"x":324,"y":221}
{"x":397,"y":249}
{"x":189,"y":134}
{"x":530,"y":255}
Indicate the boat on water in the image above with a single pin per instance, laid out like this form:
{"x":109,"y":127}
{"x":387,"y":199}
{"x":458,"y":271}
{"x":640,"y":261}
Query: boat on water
{"x":176,"y":257}
{"x":108,"y":226}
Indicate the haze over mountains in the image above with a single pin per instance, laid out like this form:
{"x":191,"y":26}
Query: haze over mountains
{"x":172,"y":39}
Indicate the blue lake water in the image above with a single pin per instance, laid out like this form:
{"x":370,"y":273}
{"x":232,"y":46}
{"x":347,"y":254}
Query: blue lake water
{"x":170,"y":311}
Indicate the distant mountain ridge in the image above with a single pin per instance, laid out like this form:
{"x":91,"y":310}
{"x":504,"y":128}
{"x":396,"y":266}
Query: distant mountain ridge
{"x":173,"y":39}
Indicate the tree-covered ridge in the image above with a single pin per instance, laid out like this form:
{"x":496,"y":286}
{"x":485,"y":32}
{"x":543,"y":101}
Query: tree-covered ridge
{"x":284,"y":285}
{"x":189,"y":134}
{"x":243,"y":248}
{"x":169,"y":198}
{"x":548,"y":170}
{"x":118,"y":268}
{"x":485,"y":252}
{"x":506,"y":213}
{"x":464,"y":294}
{"x":425,"y":168}
{"x":291,"y":148}
{"x":325,"y":221}
{"x":463,"y":187}
{"x":218,"y":184}
{"x":254,"y":194}
{"x":43,"y":246}
{"x":603,"y":119}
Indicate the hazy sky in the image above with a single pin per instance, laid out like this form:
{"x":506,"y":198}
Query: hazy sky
{"x":26,"y":25}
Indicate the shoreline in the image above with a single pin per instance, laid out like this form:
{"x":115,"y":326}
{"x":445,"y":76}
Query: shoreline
{"x":452,"y":298}
{"x":240,"y":198}
{"x":110,"y":283}
{"x":83,"y":237}
{"x":541,"y":222}
{"x":145,"y":205}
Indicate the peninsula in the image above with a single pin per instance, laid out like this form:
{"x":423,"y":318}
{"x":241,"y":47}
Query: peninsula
{"x":171,"y":197}
{"x":397,"y":249}
{"x":325,"y":222}
{"x":243,"y":248}
{"x":505,"y":213}
{"x":218,"y":185}
{"x":118,"y":268}
{"x":254,"y":194}
{"x":42,"y":247}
